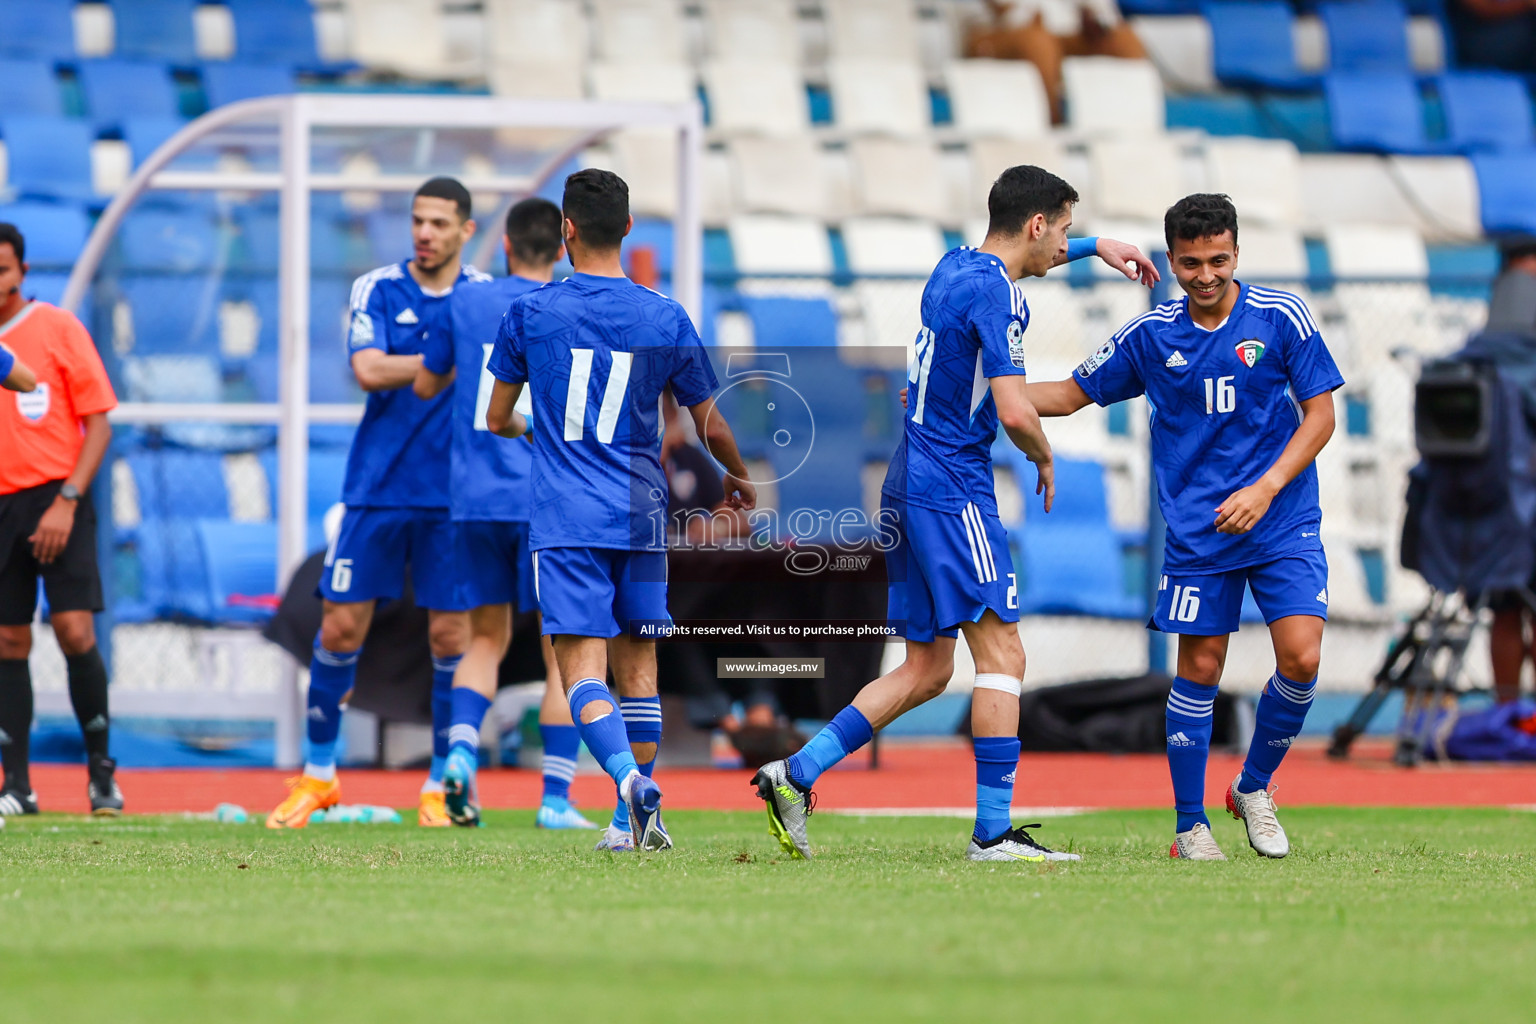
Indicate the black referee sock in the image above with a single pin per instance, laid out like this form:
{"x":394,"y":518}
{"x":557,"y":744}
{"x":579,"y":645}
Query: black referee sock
{"x":15,"y":721}
{"x":88,"y":694}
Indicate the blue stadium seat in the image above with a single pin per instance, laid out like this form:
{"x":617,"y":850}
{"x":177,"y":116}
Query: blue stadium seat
{"x":48,"y":156}
{"x":1160,"y":6}
{"x":1504,"y":185}
{"x":1366,"y":35}
{"x":116,"y":90}
{"x":779,"y":322}
{"x":144,"y":135}
{"x":1486,"y":111}
{"x":327,"y":471}
{"x":173,"y":575}
{"x":54,"y":232}
{"x":330,"y":246}
{"x":159,"y":30}
{"x":1377,"y":112}
{"x":38,"y":28}
{"x":228,"y":83}
{"x":275,"y":31}
{"x":47,"y":288}
{"x":160,"y":238}
{"x":1252,"y":46}
{"x":172,"y":314}
{"x":175,"y":377}
{"x":173,"y":483}
{"x":655,"y":235}
{"x":241,"y":563}
{"x":29,"y":87}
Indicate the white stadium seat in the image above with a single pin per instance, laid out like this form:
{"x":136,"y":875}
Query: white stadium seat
{"x":648,"y":164}
{"x":892,"y":312}
{"x":774,"y":244}
{"x":1002,"y":98}
{"x":784,"y":175}
{"x":1263,"y":177}
{"x":1443,"y":195}
{"x":899,"y":177}
{"x":892,"y":245}
{"x":753,"y":29}
{"x":758,"y":96}
{"x":1365,"y":250}
{"x":878,"y":96}
{"x":1056,"y":331}
{"x":1147,"y":235}
{"x":1111,"y":96}
{"x":650,"y":28}
{"x":650,"y":82}
{"x":1137,"y":179}
{"x":1270,"y":255}
{"x":552,"y":70}
{"x":991,"y":157}
{"x":405,"y":36}
{"x":878,"y":29}
{"x":1383,"y":316}
{"x":1181,"y":47}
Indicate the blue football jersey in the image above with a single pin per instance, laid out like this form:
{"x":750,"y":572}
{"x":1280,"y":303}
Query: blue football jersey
{"x":974,"y":319}
{"x":399,"y":456}
{"x":1224,"y":405}
{"x":597,"y":353}
{"x":489,"y":475}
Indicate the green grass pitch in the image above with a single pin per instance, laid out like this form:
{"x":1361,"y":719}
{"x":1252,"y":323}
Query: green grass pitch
{"x":1378,"y":915}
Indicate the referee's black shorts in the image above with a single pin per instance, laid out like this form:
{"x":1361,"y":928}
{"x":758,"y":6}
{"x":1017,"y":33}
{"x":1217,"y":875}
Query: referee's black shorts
{"x":72,"y":580}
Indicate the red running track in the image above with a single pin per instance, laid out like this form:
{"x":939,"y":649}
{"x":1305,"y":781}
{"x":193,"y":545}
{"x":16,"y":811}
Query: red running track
{"x":912,"y":775}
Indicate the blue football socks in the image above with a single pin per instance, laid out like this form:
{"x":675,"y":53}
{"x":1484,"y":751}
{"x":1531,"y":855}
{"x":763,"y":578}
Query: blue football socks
{"x":997,"y":762}
{"x":1282,"y":710}
{"x":331,"y":675}
{"x":1189,"y":712}
{"x":642,"y":722}
{"x":604,"y":735}
{"x":469,"y":709}
{"x":848,"y":731}
{"x":561,"y":745}
{"x":442,"y":713}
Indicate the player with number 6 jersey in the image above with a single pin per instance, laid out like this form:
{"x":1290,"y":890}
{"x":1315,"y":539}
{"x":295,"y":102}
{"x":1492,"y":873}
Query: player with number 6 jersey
{"x":949,"y":569}
{"x":1241,"y":388}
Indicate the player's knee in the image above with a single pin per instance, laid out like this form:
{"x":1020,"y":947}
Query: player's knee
{"x":76,"y":633}
{"x":341,"y":632}
{"x":15,"y":642}
{"x":447,"y":636}
{"x":1300,"y":665}
{"x":1203,"y":667}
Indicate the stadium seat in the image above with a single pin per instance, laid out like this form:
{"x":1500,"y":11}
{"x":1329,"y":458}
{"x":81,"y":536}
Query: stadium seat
{"x":1486,"y":111}
{"x":1504,"y":183}
{"x":172,"y":378}
{"x":144,"y":135}
{"x":29,"y":87}
{"x":654,"y":28}
{"x":38,"y":29}
{"x":1180,"y":46}
{"x":1111,"y":96}
{"x":879,"y":96}
{"x":45,"y":287}
{"x":155,"y":30}
{"x":227,"y":82}
{"x":655,"y":235}
{"x":1375,"y":111}
{"x":1002,"y":98}
{"x":1271,"y":255}
{"x":872,"y":29}
{"x":991,"y":157}
{"x":890,"y":245}
{"x":758,"y":96}
{"x":241,"y":564}
{"x":753,"y":30}
{"x":275,"y":32}
{"x":178,"y":240}
{"x":892,"y":313}
{"x":173,"y":576}
{"x":1364,"y":251}
{"x":118,"y":89}
{"x":1263,"y":177}
{"x":647,"y":160}
{"x":1253,"y":46}
{"x":770,"y":244}
{"x":784,"y":175}
{"x":650,"y":81}
{"x":48,"y":156}
{"x":1442,"y":193}
{"x":327,"y":472}
{"x":55,"y":232}
{"x":1160,"y":7}
{"x":1133,"y":178}
{"x":1056,"y":329}
{"x":173,"y":482}
{"x":171,"y":314}
{"x":557,"y":68}
{"x":782,"y":322}
{"x":1393,"y":311}
{"x":1366,"y":35}
{"x":899,"y":177}
{"x":403,"y":36}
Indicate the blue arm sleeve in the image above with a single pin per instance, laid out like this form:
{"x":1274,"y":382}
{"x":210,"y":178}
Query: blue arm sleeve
{"x":7,"y":362}
{"x":509,"y":361}
{"x":1081,"y":248}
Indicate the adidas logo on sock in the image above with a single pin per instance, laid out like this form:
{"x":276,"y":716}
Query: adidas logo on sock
{"x":1009,"y":778}
{"x":316,"y":715}
{"x":1283,"y":741}
{"x":1177,"y":359}
{"x":96,"y":724}
{"x":1178,"y":739}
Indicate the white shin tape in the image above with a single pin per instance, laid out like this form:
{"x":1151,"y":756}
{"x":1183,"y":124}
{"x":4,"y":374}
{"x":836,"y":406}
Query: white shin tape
{"x":999,"y":681}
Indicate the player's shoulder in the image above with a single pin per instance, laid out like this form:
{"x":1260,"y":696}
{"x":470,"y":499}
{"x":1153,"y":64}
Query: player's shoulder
{"x":976,"y":278}
{"x":363,"y":287}
{"x":1159,"y":318}
{"x":1283,"y":310}
{"x":474,"y":275}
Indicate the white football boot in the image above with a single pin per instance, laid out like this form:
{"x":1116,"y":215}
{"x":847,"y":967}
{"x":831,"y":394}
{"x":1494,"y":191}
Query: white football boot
{"x":1196,"y":844}
{"x":1256,"y":811}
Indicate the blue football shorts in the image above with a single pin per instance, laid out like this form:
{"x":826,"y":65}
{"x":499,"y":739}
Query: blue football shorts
{"x":1211,"y":604}
{"x":602,"y":592}
{"x":495,"y":564}
{"x":947,"y":568}
{"x":368,"y":559}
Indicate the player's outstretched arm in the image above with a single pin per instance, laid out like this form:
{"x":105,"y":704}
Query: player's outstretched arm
{"x":429,"y":385}
{"x":720,"y":442}
{"x":1057,"y":397}
{"x":15,"y":375}
{"x":1018,"y":416}
{"x":501,"y":415}
{"x":1123,"y":256}
{"x":376,"y":371}
{"x":1245,"y":507}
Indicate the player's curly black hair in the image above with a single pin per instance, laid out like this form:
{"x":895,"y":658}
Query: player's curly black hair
{"x":533,"y":228}
{"x":1023,"y":191}
{"x":597,"y":202}
{"x":1202,"y":215}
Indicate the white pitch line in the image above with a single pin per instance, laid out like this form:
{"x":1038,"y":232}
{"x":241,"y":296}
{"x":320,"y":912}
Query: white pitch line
{"x":952,"y":812}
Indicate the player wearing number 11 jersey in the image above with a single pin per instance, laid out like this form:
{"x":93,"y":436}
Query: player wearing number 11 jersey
{"x":1241,"y":389}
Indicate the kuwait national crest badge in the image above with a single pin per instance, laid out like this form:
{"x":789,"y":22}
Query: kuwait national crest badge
{"x":1250,"y":352}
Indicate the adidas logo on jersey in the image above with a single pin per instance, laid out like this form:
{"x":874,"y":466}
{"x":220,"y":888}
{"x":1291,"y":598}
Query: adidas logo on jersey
{"x":1322,"y":595}
{"x":1177,"y":359}
{"x":1178,"y":739}
{"x":407,"y":316}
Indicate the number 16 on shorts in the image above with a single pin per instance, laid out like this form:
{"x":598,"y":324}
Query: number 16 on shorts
{"x":1178,"y":604}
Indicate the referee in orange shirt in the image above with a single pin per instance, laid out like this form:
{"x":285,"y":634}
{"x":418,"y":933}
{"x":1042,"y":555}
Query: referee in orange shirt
{"x":52,"y":439}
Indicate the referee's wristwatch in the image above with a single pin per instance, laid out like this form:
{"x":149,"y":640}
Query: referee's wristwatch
{"x":70,"y":493}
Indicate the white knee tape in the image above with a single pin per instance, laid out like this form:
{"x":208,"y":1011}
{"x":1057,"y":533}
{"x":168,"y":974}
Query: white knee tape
{"x":999,"y":681}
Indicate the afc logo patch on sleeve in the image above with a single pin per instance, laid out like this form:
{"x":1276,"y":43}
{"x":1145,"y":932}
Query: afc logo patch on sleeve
{"x":362,"y":330}
{"x":1016,"y":343}
{"x":1098,"y":359}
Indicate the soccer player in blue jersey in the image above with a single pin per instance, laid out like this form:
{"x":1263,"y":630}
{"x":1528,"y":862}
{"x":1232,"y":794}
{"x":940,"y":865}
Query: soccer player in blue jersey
{"x":488,"y":500}
{"x":1241,"y":389}
{"x":396,"y":497}
{"x":949,"y":569}
{"x":597,"y":351}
